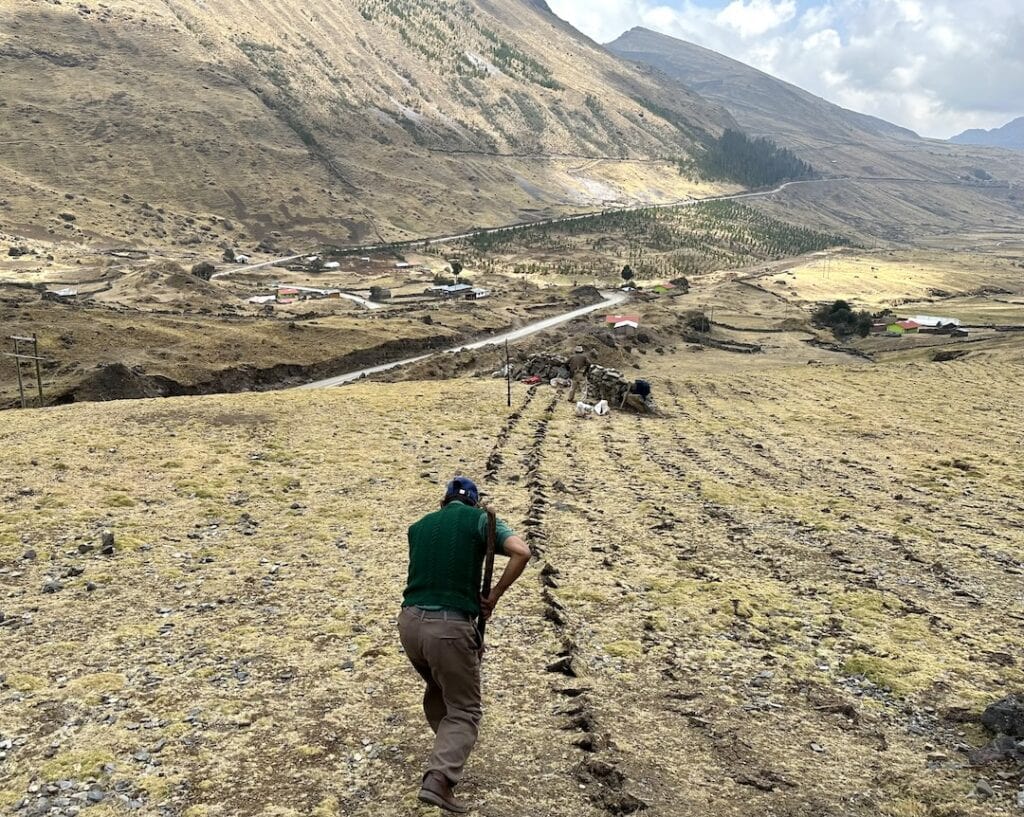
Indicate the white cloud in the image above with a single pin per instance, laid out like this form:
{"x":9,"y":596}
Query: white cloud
{"x":938,"y":67}
{"x":756,"y":16}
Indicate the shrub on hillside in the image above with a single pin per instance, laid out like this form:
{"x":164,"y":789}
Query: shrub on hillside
{"x":842,"y":319}
{"x":697,"y":321}
{"x":204,"y":269}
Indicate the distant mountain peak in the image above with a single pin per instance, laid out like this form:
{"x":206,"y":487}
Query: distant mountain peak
{"x":762,"y":104}
{"x":1010,"y":135}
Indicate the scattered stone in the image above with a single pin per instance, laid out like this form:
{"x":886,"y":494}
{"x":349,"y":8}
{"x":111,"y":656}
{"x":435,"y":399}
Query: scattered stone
{"x":1006,"y":716}
{"x":983,"y":789}
{"x":29,"y":555}
{"x":946,"y":355}
{"x":90,"y":586}
{"x":1001,"y":749}
{"x":107,"y":543}
{"x":563,"y":665}
{"x":85,"y":548}
{"x":52,"y":586}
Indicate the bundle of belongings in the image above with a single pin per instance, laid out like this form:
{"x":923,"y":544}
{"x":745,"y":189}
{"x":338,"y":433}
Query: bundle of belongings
{"x":600,"y":408}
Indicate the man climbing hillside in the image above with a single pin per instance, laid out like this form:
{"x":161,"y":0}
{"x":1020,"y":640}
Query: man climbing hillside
{"x":437,"y":626}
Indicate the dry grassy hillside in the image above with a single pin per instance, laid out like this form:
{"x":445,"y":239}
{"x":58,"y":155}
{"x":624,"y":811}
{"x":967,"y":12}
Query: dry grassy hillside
{"x":792,"y":593}
{"x":161,"y":123}
{"x":912,"y":213}
{"x":789,"y":595}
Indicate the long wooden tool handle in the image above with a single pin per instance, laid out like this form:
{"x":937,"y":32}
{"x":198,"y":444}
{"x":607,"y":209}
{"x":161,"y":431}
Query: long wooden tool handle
{"x":492,"y":537}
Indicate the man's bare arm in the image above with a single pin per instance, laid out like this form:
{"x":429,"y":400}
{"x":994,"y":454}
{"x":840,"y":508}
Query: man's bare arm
{"x":518,"y":557}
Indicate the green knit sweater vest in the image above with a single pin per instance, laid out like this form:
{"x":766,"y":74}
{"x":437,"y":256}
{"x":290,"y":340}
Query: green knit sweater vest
{"x":446,"y":556}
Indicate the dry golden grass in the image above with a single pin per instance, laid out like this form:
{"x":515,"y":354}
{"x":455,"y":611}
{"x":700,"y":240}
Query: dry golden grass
{"x":792,"y":555}
{"x":779,"y":597}
{"x":903,"y":279}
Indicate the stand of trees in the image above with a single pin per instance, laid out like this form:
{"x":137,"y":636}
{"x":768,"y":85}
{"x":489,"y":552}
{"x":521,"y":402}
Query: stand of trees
{"x":751,"y":162}
{"x":842,"y":320}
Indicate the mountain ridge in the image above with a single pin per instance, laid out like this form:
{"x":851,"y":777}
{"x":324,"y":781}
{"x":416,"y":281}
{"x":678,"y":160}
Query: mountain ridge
{"x":1010,"y":135}
{"x":342,"y":121}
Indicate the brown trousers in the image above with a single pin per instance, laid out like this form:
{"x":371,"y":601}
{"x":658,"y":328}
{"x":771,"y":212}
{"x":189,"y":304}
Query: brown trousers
{"x":443,"y":649}
{"x":578,"y":386}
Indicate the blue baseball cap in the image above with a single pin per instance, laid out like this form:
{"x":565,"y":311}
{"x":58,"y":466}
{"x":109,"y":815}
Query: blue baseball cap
{"x":463,"y":489}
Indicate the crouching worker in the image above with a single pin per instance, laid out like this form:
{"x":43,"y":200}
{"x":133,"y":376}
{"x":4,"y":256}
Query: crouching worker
{"x":437,"y":626}
{"x":638,"y":397}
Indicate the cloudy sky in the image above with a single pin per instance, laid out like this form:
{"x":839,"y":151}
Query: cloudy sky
{"x":935,"y":66}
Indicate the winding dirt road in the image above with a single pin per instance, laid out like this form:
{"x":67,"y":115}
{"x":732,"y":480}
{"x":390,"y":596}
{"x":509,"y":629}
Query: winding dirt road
{"x":610,"y":299}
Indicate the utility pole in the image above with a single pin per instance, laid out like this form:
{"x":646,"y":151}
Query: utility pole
{"x":19,"y":355}
{"x":508,"y":374}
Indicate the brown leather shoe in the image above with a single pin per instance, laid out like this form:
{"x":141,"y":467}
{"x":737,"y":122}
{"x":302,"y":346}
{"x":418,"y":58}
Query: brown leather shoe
{"x":437,"y":791}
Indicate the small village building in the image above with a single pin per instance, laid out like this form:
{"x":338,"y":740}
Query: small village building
{"x":403,"y":265}
{"x":241,"y":258}
{"x":935,"y":325}
{"x":332,"y":265}
{"x":65,"y":294}
{"x":476,"y":293}
{"x":879,"y":328}
{"x":262,"y":299}
{"x":307,"y":293}
{"x":614,"y":319}
{"x":450,"y":290}
{"x":931,"y":321}
{"x":626,"y":328}
{"x":903,"y":328}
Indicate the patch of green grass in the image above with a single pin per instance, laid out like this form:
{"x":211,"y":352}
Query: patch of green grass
{"x":896,"y":674}
{"x":194,"y":490}
{"x":24,"y":682}
{"x":75,"y":764}
{"x":624,"y":648}
{"x":92,"y":688}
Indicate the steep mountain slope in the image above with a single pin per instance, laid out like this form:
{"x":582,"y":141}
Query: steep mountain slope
{"x":173,"y":121}
{"x":758,"y":100}
{"x":833,"y":139}
{"x":1010,"y":135}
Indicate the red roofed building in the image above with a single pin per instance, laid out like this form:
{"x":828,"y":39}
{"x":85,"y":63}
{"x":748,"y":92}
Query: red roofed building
{"x":903,"y":328}
{"x":613,"y":319}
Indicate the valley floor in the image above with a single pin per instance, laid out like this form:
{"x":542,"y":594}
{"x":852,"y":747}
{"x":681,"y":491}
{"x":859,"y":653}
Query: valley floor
{"x":791,"y":594}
